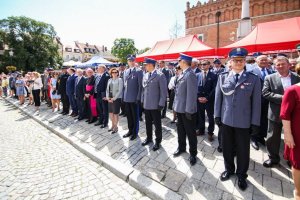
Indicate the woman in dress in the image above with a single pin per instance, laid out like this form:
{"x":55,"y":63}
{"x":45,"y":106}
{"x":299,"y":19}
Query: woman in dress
{"x":89,"y":96}
{"x":55,"y":97}
{"x":114,"y":93}
{"x":20,"y":89}
{"x":36,"y":90}
{"x":290,"y":115}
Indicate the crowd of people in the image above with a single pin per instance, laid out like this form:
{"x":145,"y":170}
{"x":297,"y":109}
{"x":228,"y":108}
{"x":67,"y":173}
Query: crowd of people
{"x":250,"y":99}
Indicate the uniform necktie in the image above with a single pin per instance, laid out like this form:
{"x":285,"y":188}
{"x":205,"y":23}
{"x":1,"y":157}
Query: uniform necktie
{"x":236,"y":78}
{"x":264,"y":74}
{"x":149,"y":75}
{"x":129,"y":72}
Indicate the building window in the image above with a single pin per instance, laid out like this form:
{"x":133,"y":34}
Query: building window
{"x":201,"y":37}
{"x":68,"y":49}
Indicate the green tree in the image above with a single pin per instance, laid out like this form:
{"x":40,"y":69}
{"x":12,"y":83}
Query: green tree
{"x":123,"y":47}
{"x":33,"y":43}
{"x":141,"y":51}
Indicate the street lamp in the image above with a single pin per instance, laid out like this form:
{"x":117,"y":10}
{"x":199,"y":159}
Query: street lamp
{"x":218,"y":14}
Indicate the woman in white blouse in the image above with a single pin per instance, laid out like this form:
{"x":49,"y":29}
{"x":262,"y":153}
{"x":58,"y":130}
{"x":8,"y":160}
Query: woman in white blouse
{"x":36,"y":89}
{"x":114,"y":92}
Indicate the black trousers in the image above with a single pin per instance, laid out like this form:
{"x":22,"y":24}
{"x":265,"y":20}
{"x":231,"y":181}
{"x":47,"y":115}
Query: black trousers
{"x":44,"y":93}
{"x":236,"y":140}
{"x":36,"y":97}
{"x":263,"y":122}
{"x":171,"y":99}
{"x":274,"y":140}
{"x":220,"y":136}
{"x":81,"y":107}
{"x":123,"y":110}
{"x":186,"y":128}
{"x":132,"y":114}
{"x":102,"y":109}
{"x":164,"y":111}
{"x":209,"y":108}
{"x":153,"y":117}
{"x":65,"y":102}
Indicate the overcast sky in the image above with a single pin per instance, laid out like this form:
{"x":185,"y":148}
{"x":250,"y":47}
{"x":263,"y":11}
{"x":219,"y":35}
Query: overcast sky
{"x":101,"y":21}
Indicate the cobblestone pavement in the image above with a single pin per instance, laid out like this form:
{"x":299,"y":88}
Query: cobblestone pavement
{"x":37,"y":164}
{"x":198,"y":182}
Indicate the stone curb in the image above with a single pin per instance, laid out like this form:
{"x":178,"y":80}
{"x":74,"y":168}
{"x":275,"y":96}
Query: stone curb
{"x":135,"y":178}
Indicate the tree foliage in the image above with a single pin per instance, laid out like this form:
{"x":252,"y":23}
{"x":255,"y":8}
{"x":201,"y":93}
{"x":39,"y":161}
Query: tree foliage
{"x":123,"y":47}
{"x":33,"y":43}
{"x":141,"y":51}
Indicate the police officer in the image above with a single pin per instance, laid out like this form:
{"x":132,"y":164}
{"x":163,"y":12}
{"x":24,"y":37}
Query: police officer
{"x":163,"y":69}
{"x":185,"y":105}
{"x":237,"y":110}
{"x":207,"y":82}
{"x":154,"y":96}
{"x":133,"y":78}
{"x":63,"y":90}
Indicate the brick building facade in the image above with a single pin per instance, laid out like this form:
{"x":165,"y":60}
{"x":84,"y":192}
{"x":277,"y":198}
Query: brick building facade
{"x":201,"y":19}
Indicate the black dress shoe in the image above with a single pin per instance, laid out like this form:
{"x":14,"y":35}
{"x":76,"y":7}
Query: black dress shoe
{"x":242,"y":183}
{"x":65,"y":113}
{"x":98,"y":124}
{"x":219,"y":149}
{"x":92,"y":121}
{"x":145,"y":142}
{"x":156,"y":146}
{"x":133,"y":137}
{"x":193,"y":160}
{"x":103,"y":126}
{"x":87,"y":120}
{"x":225,"y":176}
{"x":163,"y":116}
{"x":127,"y":135}
{"x":62,"y":112}
{"x":178,"y":152}
{"x":80,"y":118}
{"x":254,"y":144}
{"x":262,"y":141}
{"x":269,"y":163}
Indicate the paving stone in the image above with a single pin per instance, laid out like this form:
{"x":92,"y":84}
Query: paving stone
{"x":174,"y":179}
{"x":273,"y":185}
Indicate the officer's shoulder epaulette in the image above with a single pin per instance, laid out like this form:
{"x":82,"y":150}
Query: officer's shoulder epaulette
{"x":252,"y":73}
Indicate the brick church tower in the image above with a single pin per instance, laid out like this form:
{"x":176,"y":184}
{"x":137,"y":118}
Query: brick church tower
{"x":205,"y":19}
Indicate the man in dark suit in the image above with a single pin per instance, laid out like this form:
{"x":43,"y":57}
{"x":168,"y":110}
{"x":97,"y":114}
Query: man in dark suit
{"x":262,"y":71}
{"x":153,"y":99}
{"x":163,"y":69}
{"x":80,"y":84}
{"x":63,"y":91}
{"x":195,"y":66}
{"x":122,"y":67}
{"x":70,"y":90}
{"x":100,"y":93}
{"x":273,"y":90}
{"x":185,"y":106}
{"x":207,"y":82}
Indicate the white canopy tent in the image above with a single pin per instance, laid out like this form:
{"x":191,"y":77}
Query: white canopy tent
{"x":71,"y":63}
{"x":94,"y":61}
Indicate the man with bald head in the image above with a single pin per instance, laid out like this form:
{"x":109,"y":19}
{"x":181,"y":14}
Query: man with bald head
{"x":262,"y":71}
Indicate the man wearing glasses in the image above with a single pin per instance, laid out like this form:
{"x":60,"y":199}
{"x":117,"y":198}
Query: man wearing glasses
{"x":237,"y":110}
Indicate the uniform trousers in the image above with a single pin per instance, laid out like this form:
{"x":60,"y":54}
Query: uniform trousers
{"x":153,"y":117}
{"x":236,"y":141}
{"x":65,"y":102}
{"x":132,"y":114}
{"x":186,"y":128}
{"x":273,"y":140}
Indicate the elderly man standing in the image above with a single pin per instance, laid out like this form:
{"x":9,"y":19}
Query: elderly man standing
{"x":62,"y":90}
{"x":195,"y":65}
{"x":101,"y":80}
{"x":80,"y":84}
{"x":273,"y":90}
{"x":262,"y":71}
{"x":133,"y":78}
{"x":237,"y":110}
{"x":185,"y":106}
{"x":154,"y":96}
{"x":70,"y":89}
